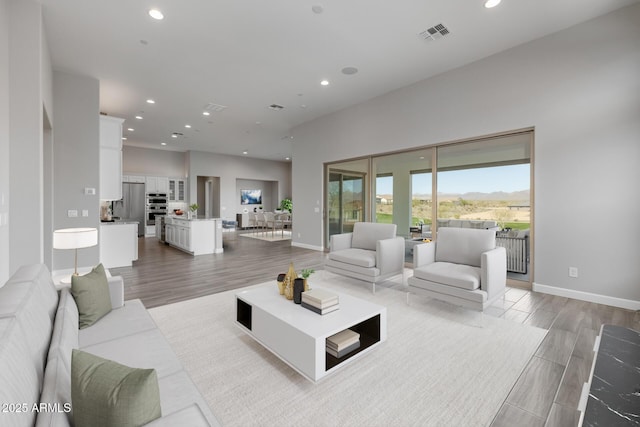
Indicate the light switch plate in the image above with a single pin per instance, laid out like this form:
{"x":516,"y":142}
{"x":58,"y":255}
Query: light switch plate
{"x":72,"y":213}
{"x":85,"y":212}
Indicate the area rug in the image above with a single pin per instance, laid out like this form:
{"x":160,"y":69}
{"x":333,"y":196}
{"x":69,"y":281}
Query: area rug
{"x":278,"y":236}
{"x":440,"y":366}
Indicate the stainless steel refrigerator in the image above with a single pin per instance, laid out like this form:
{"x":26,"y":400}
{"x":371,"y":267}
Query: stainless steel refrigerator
{"x":132,"y":205}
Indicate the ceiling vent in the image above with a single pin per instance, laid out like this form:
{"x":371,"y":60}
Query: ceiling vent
{"x":214,"y":107}
{"x":276,"y":107}
{"x":434,"y":33}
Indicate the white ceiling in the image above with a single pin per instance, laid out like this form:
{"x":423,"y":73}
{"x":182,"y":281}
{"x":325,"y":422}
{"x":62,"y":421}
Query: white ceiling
{"x":249,"y":54}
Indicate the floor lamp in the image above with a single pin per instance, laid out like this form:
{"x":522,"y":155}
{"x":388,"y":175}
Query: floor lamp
{"x":75,"y":238}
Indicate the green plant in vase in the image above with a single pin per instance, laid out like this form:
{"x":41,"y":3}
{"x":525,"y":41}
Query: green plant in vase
{"x":193,"y":209}
{"x":305,"y":273}
{"x":286,"y":205}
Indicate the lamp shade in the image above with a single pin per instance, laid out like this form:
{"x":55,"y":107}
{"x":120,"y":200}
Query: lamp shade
{"x":75,"y":238}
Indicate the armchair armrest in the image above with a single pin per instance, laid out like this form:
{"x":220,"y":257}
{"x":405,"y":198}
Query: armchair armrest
{"x":390,"y":255}
{"x":424,"y":254}
{"x":340,"y":241}
{"x":493,"y":265}
{"x":116,"y":291}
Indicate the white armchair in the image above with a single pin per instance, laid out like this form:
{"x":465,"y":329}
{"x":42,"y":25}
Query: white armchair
{"x":463,"y":266}
{"x":372,"y":253}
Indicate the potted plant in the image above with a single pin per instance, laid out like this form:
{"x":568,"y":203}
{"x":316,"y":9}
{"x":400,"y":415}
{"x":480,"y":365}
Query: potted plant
{"x":286,"y":205}
{"x":305,"y":273}
{"x":193,"y":209}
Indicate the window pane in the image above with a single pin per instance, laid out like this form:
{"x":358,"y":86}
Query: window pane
{"x":384,"y":199}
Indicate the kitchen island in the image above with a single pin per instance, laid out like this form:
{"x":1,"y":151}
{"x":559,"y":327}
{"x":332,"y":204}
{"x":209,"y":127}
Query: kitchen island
{"x":197,"y":236}
{"x":118,"y":243}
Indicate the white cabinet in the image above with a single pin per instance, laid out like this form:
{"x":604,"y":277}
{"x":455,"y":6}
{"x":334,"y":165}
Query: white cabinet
{"x":197,"y":237}
{"x":177,"y":190}
{"x":118,"y":244}
{"x":133,"y":178}
{"x":157,"y":184}
{"x":110,"y":158}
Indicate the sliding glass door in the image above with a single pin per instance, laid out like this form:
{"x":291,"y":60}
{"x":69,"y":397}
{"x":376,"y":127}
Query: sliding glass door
{"x":346,"y":196}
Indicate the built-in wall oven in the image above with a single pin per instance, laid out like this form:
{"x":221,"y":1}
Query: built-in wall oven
{"x":156,"y":205}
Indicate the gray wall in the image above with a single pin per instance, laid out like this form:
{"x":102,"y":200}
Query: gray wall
{"x":579,"y":88}
{"x":4,"y":141}
{"x":146,"y":161}
{"x":232,"y":168}
{"x":76,"y":160}
{"x":29,"y":62}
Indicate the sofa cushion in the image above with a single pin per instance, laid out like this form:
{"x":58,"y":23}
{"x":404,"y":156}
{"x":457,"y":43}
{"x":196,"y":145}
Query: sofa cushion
{"x":148,"y":349}
{"x":178,"y":391}
{"x":56,"y":392}
{"x":359,"y":257}
{"x":65,"y":329}
{"x":366,"y":234}
{"x":91,"y":293}
{"x":130,"y":319}
{"x":464,"y":245}
{"x":106,"y":393}
{"x":20,"y":381}
{"x":458,"y":275}
{"x":41,"y":277}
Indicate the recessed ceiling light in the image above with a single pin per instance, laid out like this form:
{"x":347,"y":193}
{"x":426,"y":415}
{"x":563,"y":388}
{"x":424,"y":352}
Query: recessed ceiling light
{"x":206,"y":113}
{"x":303,"y":105}
{"x":324,"y":82}
{"x":124,"y":138}
{"x":349,"y":70}
{"x":156,"y":14}
{"x":287,"y":158}
{"x":245,"y":152}
{"x":139,"y":117}
{"x":131,"y":129}
{"x":174,"y":136}
{"x":187,"y":126}
{"x":150,"y":101}
{"x":163,"y":143}
{"x":317,"y":9}
{"x":491,"y":3}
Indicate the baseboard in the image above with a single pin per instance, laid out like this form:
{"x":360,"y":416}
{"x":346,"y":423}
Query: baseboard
{"x":587,"y":296}
{"x":305,"y":246}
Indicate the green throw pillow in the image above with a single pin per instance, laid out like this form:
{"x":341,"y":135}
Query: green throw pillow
{"x":105,"y":393}
{"x":91,"y":293}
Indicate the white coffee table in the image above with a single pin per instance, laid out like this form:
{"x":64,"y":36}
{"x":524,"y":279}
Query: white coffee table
{"x":297,"y":335}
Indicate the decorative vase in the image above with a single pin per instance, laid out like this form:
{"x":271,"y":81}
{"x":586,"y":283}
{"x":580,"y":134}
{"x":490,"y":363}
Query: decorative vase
{"x":306,"y":285}
{"x":298,"y":288}
{"x":288,"y":282}
{"x":281,"y":283}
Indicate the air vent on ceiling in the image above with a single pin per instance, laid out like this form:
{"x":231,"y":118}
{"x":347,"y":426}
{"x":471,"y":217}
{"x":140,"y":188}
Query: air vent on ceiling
{"x":434,"y":33}
{"x":276,"y":107}
{"x":214,"y":107}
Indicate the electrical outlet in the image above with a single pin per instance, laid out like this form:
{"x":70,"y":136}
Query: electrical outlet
{"x":72,"y":213}
{"x":573,"y":271}
{"x":85,"y":212}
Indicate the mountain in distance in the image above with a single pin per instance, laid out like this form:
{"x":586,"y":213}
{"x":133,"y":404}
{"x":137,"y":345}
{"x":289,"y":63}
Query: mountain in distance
{"x":496,"y":195}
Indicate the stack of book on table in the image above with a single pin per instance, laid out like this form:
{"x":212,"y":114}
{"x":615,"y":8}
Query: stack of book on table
{"x":320,"y":301}
{"x":342,"y":343}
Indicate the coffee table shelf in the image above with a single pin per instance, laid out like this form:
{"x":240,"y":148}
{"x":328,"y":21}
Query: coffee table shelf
{"x":298,"y":336}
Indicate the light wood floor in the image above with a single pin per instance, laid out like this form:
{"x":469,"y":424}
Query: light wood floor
{"x":547,"y":392}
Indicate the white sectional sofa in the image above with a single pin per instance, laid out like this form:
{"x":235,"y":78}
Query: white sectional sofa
{"x":39,"y":329}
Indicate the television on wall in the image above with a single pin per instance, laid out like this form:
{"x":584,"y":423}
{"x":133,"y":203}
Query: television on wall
{"x":250,"y":197}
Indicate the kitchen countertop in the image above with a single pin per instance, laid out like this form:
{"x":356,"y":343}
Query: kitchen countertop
{"x":184,"y":218}
{"x":118,"y":222}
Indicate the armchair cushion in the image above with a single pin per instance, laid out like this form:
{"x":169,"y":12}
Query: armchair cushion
{"x":366,"y":234}
{"x":458,"y":275}
{"x":464,"y":245}
{"x":359,"y":257}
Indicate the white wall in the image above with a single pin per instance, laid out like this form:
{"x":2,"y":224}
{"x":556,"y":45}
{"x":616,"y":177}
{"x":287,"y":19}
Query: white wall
{"x":146,"y":161}
{"x":4,"y":141}
{"x":26,"y":102}
{"x":579,"y":88}
{"x":231,"y":168}
{"x":76,"y":160}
